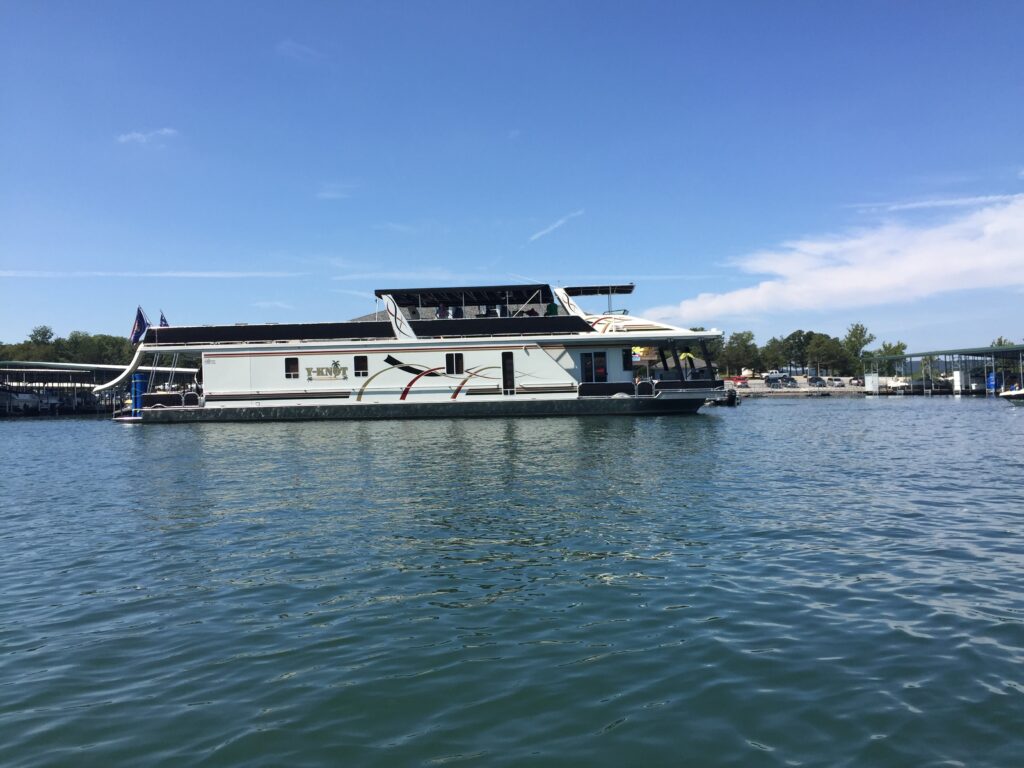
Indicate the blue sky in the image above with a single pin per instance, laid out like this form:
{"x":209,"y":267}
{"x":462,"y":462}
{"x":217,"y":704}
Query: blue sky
{"x":751,"y":166}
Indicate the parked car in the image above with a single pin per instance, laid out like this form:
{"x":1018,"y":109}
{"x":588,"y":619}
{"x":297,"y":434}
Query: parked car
{"x":856,"y":382}
{"x":779,"y":380}
{"x":816,"y":381}
{"x":835,"y":381}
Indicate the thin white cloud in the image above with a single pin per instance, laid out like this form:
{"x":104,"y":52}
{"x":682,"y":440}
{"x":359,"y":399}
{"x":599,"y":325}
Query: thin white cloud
{"x":368,"y":295}
{"x":146,"y":137}
{"x":394,"y":226}
{"x":272,"y":305}
{"x":635,"y":278}
{"x":435,"y":275}
{"x":891,"y":263}
{"x":298,"y":52}
{"x":949,"y":202}
{"x":560,"y":223}
{"x":333,"y":190}
{"x":219,"y":275}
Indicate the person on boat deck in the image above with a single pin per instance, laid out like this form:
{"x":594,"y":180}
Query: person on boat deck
{"x":551,"y":310}
{"x":442,"y":312}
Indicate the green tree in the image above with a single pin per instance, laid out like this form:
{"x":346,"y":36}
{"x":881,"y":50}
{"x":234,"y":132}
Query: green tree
{"x":856,"y":340}
{"x":740,"y":352}
{"x":795,"y":347}
{"x":81,"y":347}
{"x":828,"y":353}
{"x":1004,"y":362}
{"x":887,"y":367}
{"x":111,"y":350}
{"x":773,"y":353}
{"x":78,"y":347}
{"x":41,"y":334}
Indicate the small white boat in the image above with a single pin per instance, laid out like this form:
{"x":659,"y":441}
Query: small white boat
{"x":1013,"y":396}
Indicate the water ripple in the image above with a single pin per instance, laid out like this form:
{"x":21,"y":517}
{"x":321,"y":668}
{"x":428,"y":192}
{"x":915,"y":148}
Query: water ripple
{"x":788,"y":583}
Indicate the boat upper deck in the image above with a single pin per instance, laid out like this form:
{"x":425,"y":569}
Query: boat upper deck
{"x":476,"y":326}
{"x":472,"y":311}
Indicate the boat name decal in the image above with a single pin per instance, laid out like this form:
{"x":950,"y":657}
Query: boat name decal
{"x":330,"y":373}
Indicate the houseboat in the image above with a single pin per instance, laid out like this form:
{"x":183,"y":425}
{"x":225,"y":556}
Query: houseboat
{"x":506,"y":350}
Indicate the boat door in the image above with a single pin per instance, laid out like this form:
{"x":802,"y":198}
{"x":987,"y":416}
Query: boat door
{"x":508,"y":374}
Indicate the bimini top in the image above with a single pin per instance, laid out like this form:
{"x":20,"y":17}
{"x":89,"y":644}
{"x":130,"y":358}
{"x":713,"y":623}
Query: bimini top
{"x":484,"y":295}
{"x":600,"y":290}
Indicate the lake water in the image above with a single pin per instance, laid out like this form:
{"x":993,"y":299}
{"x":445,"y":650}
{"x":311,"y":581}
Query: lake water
{"x":802,"y":582}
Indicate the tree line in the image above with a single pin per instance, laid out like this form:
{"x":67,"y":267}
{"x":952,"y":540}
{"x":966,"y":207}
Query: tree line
{"x":804,"y":350}
{"x":810,"y":349}
{"x":78,"y":347}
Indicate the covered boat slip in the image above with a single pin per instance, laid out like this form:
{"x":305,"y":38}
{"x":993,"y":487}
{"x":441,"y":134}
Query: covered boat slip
{"x":991,"y":370}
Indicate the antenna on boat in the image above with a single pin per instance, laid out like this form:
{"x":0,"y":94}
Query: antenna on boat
{"x":401,"y":326}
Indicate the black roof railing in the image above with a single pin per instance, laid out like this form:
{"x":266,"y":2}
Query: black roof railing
{"x":483,"y":295}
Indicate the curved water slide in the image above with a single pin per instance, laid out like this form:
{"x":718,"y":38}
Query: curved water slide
{"x":123,"y":376}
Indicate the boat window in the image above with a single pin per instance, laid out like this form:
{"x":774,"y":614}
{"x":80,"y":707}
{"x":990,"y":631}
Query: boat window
{"x":453,"y":362}
{"x":627,"y":359}
{"x":291,"y":367}
{"x":595,"y":367}
{"x":360,"y":366}
{"x":508,"y":374}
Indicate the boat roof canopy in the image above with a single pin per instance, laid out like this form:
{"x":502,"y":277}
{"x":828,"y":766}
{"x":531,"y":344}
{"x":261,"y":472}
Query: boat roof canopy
{"x":478,"y":294}
{"x":481,"y":295}
{"x":600,"y":290}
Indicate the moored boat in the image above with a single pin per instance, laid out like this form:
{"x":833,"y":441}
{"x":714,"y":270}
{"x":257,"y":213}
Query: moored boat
{"x":509,"y":350}
{"x":1013,"y":396}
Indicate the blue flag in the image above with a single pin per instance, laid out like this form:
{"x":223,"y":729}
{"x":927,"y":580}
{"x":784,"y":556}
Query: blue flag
{"x":163,"y":320}
{"x":139,"y":329}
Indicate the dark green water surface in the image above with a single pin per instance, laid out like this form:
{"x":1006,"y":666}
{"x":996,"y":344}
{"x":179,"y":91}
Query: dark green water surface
{"x":818,"y":583}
